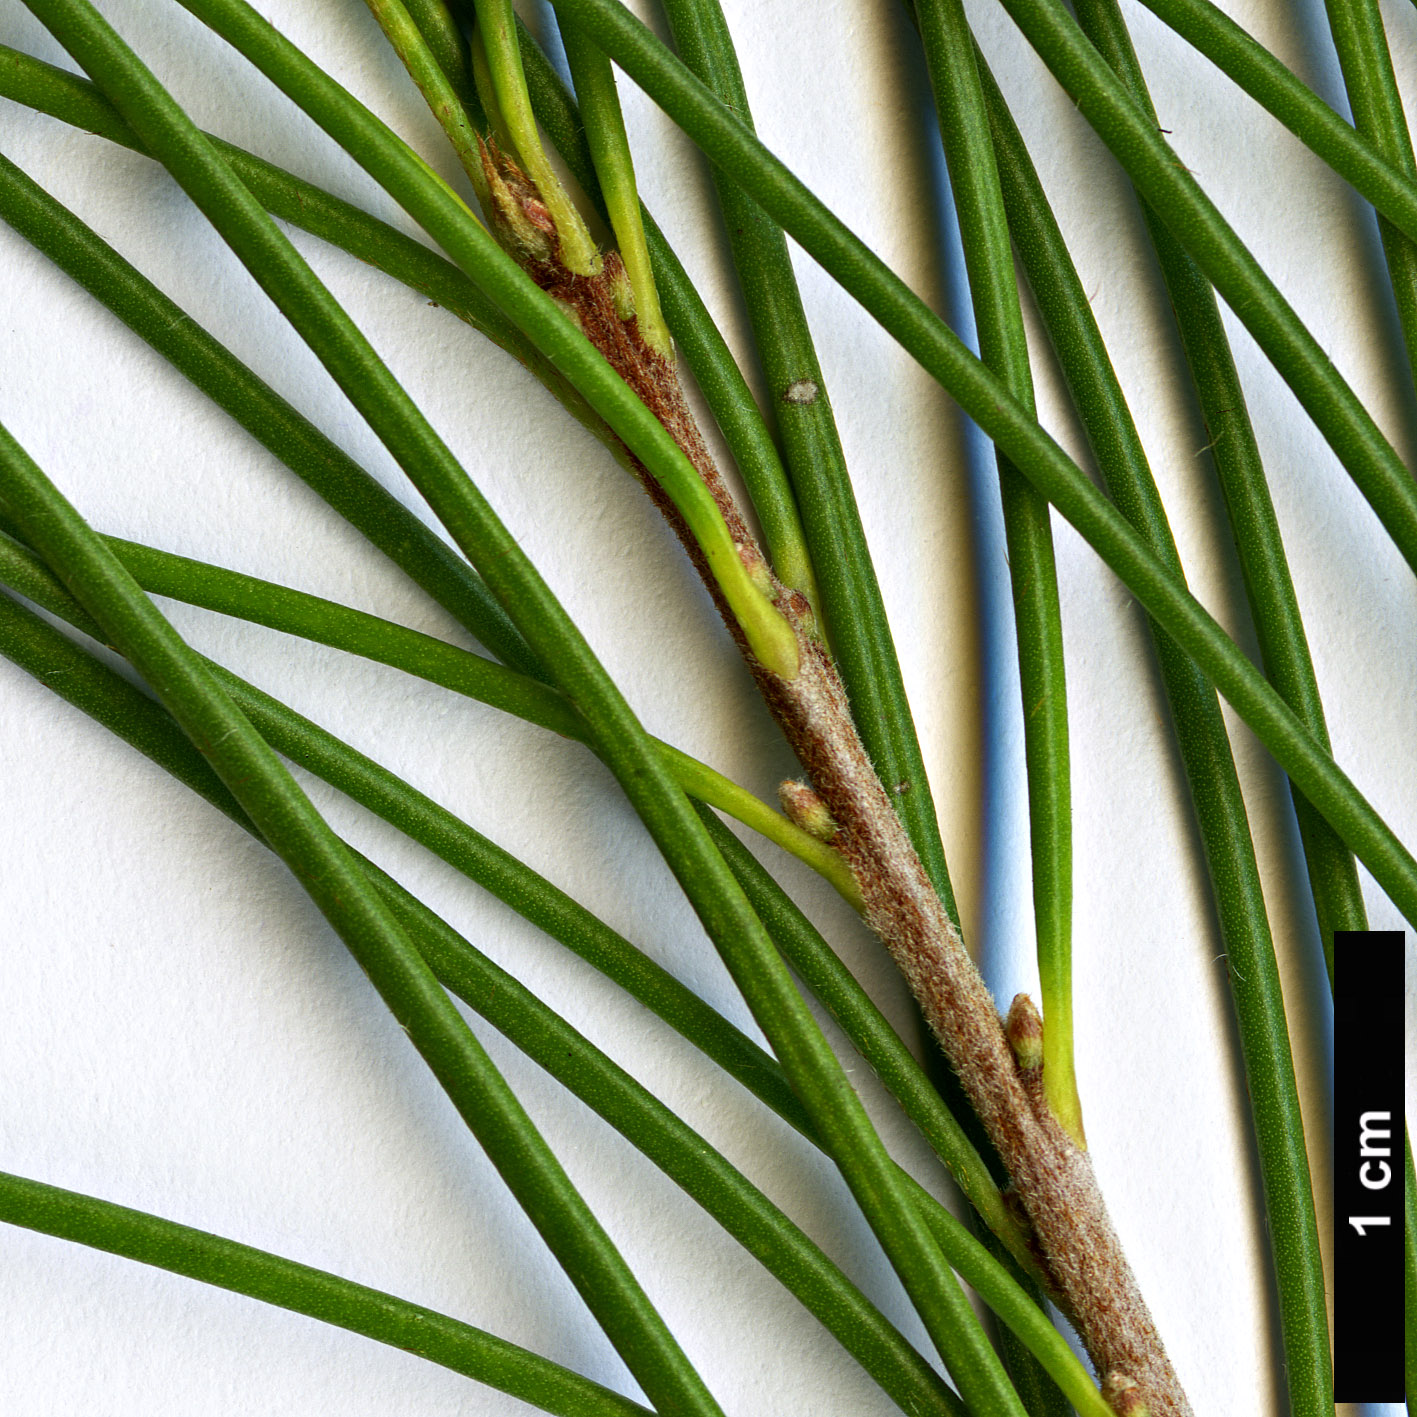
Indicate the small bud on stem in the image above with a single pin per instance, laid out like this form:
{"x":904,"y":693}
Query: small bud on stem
{"x":1124,"y":1395}
{"x":1024,"y":1028}
{"x":804,"y":808}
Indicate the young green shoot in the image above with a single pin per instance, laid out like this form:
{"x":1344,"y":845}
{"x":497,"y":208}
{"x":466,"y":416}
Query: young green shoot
{"x":432,"y":82}
{"x":700,"y":343}
{"x":610,"y":148}
{"x":496,"y":25}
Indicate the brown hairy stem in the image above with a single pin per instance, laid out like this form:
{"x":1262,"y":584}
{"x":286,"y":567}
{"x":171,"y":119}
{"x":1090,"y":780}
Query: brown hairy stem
{"x":1051,"y":1177}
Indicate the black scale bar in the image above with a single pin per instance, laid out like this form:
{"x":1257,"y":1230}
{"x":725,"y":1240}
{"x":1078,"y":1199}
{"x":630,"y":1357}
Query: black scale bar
{"x":1368,"y":1167}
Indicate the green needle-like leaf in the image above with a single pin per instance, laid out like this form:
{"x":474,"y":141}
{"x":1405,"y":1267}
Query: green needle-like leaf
{"x":1354,"y":157}
{"x":1361,"y":42}
{"x":1003,"y":346}
{"x":338,"y":886}
{"x":432,"y":81}
{"x":1178,"y":200}
{"x":700,"y":343}
{"x":356,"y":632}
{"x":610,"y":148}
{"x":347,"y":355}
{"x":1284,"y":649}
{"x":450,"y":50}
{"x":497,"y":29}
{"x":408,"y":810}
{"x":288,"y":1285}
{"x":539,"y":1032}
{"x":748,"y":953}
{"x":528,"y":1023}
{"x":1204,"y":747}
{"x":314,"y":458}
{"x":1368,"y":456}
{"x":353,"y":631}
{"x":522,"y":889}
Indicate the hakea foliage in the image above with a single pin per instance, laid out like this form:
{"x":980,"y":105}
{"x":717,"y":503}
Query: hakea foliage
{"x":1016,"y":1072}
{"x":845,"y":803}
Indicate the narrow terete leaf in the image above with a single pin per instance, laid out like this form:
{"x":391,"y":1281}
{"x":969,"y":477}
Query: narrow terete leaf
{"x":339,"y":887}
{"x":1199,"y":726}
{"x":212,"y":1259}
{"x":1003,"y":346}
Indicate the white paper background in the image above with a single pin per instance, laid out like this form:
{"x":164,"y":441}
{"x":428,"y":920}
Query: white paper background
{"x":183,"y":1034}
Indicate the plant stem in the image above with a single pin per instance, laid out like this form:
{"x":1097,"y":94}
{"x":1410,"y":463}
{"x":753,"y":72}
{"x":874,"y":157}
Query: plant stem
{"x":854,"y":614}
{"x":861,"y":818}
{"x":836,"y":1112}
{"x":91,"y":261}
{"x":817,"y":965}
{"x":257,"y":1274}
{"x":700,"y":344}
{"x":747,"y":951}
{"x":364,"y":378}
